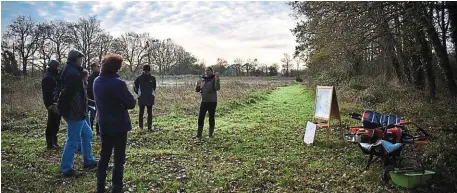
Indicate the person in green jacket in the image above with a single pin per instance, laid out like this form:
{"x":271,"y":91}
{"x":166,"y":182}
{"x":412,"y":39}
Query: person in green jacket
{"x":208,"y":87}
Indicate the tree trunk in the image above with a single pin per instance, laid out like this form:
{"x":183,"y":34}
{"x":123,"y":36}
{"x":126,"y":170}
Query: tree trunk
{"x":389,"y":51}
{"x":59,"y":55}
{"x":418,"y":72}
{"x":24,"y":65}
{"x":388,"y":45}
{"x":452,"y":7}
{"x":442,"y":55}
{"x":400,"y":50}
{"x":428,"y":62}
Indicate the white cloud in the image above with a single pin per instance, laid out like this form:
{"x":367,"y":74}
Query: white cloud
{"x":209,"y":30}
{"x":43,"y":13}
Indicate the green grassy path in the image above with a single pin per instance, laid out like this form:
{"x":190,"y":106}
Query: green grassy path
{"x":256,"y":148}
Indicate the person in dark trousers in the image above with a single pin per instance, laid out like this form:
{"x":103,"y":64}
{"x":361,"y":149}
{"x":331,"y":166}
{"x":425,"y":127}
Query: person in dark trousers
{"x":208,"y":87}
{"x":90,"y":94}
{"x":145,"y":86}
{"x":48,"y":84}
{"x":72,"y":105}
{"x":113,"y":100}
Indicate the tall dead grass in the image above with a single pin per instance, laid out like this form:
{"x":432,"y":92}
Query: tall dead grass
{"x":22,"y":97}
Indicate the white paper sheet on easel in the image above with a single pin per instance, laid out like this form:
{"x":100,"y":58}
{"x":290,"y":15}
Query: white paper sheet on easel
{"x":310,"y":131}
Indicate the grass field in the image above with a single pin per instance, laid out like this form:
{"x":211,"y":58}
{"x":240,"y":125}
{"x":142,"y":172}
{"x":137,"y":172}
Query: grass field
{"x":257,"y":148}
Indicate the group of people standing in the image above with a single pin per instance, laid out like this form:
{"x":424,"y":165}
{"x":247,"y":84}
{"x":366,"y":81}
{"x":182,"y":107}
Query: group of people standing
{"x":77,"y":97}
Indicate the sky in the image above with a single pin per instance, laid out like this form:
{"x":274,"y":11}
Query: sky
{"x":207,"y":29}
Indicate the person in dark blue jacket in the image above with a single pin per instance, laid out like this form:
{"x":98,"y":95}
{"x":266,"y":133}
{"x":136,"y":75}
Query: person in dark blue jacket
{"x":72,"y":105}
{"x":48,"y":84}
{"x":113,"y":101}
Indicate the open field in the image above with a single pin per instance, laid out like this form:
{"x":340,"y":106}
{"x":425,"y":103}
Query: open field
{"x":257,"y":145}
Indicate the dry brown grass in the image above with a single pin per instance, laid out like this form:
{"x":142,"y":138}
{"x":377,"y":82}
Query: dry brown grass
{"x":22,"y":97}
{"x":183,"y":98}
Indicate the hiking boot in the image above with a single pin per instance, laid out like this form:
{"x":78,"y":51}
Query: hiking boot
{"x":91,"y":165}
{"x":71,"y":173}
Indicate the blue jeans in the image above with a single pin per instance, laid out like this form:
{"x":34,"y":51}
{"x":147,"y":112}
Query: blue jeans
{"x":77,"y":131}
{"x":88,"y":122}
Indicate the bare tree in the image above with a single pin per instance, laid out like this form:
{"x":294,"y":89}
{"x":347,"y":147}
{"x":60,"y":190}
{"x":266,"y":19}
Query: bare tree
{"x":84,"y":36}
{"x":250,"y":65}
{"x":264,"y":68}
{"x":134,"y":48}
{"x":237,"y":66}
{"x":58,"y":33}
{"x":163,"y":55}
{"x":25,"y":35}
{"x":103,"y":45}
{"x":298,"y":61}
{"x":220,"y":66}
{"x":46,"y":47}
{"x":287,"y":63}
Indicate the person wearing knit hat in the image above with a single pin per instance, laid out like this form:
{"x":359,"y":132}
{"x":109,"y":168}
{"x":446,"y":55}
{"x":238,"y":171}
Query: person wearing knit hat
{"x":53,"y":64}
{"x":145,"y":86}
{"x":48,"y":84}
{"x":72,"y":104}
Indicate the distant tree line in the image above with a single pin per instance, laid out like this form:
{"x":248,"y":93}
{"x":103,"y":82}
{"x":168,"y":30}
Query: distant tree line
{"x":28,"y":45}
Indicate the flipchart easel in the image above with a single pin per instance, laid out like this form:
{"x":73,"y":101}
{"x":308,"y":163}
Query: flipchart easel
{"x":326,"y":108}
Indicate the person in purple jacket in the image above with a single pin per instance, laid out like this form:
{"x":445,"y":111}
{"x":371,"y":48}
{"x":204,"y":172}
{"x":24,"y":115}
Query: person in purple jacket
{"x":113,"y":100}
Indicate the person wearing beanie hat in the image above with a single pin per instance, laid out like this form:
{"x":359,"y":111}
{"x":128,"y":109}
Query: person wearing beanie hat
{"x":145,"y":86}
{"x":53,"y":64}
{"x":72,"y":103}
{"x":48,"y":84}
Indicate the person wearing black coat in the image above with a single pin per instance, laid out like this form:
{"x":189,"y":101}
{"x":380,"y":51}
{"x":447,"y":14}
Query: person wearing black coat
{"x":145,"y":86}
{"x":72,"y":104}
{"x":48,"y":84}
{"x":90,"y":95}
